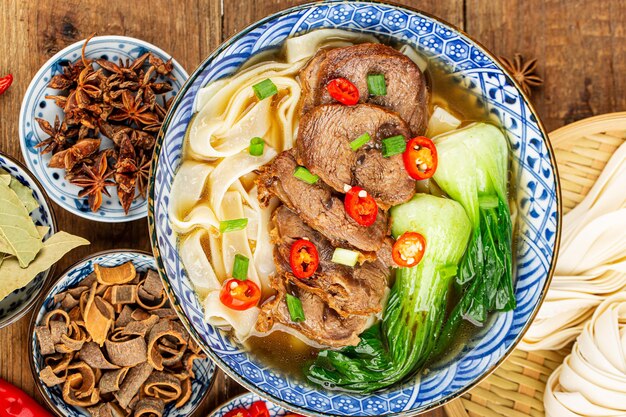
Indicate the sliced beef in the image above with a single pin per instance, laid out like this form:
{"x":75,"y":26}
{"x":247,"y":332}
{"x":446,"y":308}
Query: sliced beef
{"x":317,"y":206}
{"x":323,"y":146}
{"x":407,"y":92}
{"x":323,"y":324}
{"x":358,"y":290}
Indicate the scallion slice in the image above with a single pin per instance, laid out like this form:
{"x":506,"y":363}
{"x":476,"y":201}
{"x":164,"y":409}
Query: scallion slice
{"x":376,"y":85}
{"x":227,"y":226}
{"x":240,"y":267}
{"x":360,"y":141}
{"x":305,"y":175}
{"x":295,"y":308}
{"x":345,"y":257}
{"x":393,"y":146}
{"x":265,"y":89}
{"x":256,"y":146}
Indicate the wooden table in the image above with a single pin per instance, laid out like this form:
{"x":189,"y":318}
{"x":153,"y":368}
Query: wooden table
{"x":580,"y":46}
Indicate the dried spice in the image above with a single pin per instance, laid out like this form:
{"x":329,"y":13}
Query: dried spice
{"x":523,"y":72}
{"x":119,"y":101}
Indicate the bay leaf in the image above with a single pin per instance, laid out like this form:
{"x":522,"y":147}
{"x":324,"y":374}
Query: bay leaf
{"x":5,"y":248}
{"x":5,"y":177}
{"x":25,"y":195}
{"x":17,"y":228}
{"x":13,"y":276}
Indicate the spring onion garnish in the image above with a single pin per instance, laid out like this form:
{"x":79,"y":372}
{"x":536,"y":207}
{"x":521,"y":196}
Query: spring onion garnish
{"x":295,"y":308}
{"x":345,"y":257}
{"x":393,"y":145}
{"x":240,"y":267}
{"x":360,"y":141}
{"x":376,"y":85}
{"x":305,"y":175}
{"x":265,"y":89}
{"x":256,"y":146}
{"x":227,"y":226}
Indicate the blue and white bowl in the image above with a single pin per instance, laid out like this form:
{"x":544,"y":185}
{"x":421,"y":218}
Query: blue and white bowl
{"x":20,"y":301}
{"x":36,"y":105}
{"x":536,"y":190}
{"x":245,"y":401}
{"x":204,"y":370}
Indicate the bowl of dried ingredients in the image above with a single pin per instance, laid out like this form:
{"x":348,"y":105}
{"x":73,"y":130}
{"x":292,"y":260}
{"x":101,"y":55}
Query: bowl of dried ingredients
{"x":30,"y":243}
{"x":105,"y":341}
{"x":89,"y":121}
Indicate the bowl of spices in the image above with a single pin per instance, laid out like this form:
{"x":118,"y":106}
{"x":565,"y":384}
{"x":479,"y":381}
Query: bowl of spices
{"x":89,"y":121}
{"x":105,"y":341}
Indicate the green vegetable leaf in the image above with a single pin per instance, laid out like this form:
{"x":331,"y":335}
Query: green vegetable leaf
{"x":25,"y":195}
{"x":17,"y":228}
{"x":13,"y":276}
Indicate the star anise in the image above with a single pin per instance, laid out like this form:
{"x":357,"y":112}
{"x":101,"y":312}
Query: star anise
{"x":163,"y":68}
{"x":133,"y":110}
{"x":94,"y":181}
{"x":143,"y":172}
{"x":523,"y":72}
{"x":77,"y":153}
{"x":58,"y":135}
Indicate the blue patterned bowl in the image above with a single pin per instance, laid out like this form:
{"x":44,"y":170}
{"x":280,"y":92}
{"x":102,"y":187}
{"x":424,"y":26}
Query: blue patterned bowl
{"x":245,"y":401}
{"x":20,"y":301}
{"x":36,"y":105}
{"x":537,"y":192}
{"x":204,"y":369}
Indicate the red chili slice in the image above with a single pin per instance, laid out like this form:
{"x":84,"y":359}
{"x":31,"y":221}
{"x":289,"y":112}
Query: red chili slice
{"x":361,"y":206}
{"x":259,"y":409}
{"x":7,"y":80}
{"x":240,"y":295}
{"x":304,"y":258}
{"x":343,"y":91}
{"x":409,"y":249}
{"x":420,"y":158}
{"x":238,"y":412}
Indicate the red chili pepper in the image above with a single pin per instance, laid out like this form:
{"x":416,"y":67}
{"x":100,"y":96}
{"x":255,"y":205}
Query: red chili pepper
{"x":293,"y":415}
{"x":238,"y":412}
{"x":259,"y":409}
{"x":343,"y":91}
{"x":361,"y":206}
{"x":409,"y":249}
{"x":240,"y":295}
{"x":15,"y":403}
{"x":304,"y":258}
{"x":5,"y":83}
{"x":420,"y":158}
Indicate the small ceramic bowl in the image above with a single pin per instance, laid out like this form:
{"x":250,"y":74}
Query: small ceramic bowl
{"x":245,"y":401}
{"x":36,"y":105}
{"x":204,"y":370}
{"x":20,"y":301}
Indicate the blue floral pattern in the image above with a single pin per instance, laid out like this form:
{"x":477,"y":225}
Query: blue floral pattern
{"x":536,"y":191}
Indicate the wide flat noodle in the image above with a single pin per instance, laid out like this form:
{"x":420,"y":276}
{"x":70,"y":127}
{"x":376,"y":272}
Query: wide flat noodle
{"x":127,"y":353}
{"x":198,"y":268}
{"x":132,"y":383}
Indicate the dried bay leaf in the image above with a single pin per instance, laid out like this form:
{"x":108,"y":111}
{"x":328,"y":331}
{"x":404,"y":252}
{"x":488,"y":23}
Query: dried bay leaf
{"x":5,"y":177}
{"x":25,"y":195}
{"x":17,"y":228}
{"x":12,"y":276}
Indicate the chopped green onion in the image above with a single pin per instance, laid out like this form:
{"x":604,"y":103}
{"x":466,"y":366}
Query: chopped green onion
{"x":256,"y":146}
{"x":295,"y":308}
{"x":376,"y":85}
{"x":360,"y":141}
{"x":305,"y":175}
{"x":240,"y":267}
{"x":227,"y":226}
{"x":393,"y":146}
{"x":265,"y":89}
{"x":345,"y":257}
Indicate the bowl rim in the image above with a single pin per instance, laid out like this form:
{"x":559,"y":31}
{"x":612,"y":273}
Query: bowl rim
{"x":50,"y":271}
{"x":151,"y":205}
{"x":39,"y":305}
{"x":32,"y":86}
{"x":223,"y":404}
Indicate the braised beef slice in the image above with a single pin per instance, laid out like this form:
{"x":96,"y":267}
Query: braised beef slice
{"x":407,"y":92}
{"x":323,"y":146}
{"x":347,"y":290}
{"x":322,"y":324}
{"x":317,"y":206}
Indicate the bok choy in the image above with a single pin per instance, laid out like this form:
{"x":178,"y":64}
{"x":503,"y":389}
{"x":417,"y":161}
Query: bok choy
{"x":403,"y":341}
{"x":473,"y":167}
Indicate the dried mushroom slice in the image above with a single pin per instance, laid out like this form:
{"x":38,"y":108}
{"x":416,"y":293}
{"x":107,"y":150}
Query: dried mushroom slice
{"x":127,"y":353}
{"x":163,"y":385}
{"x":92,"y":355}
{"x":49,"y":378}
{"x":149,"y":407}
{"x":132,"y":383}
{"x":112,"y":380}
{"x":121,"y":274}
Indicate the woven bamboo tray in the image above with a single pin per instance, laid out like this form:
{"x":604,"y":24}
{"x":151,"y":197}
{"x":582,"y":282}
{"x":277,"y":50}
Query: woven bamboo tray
{"x":516,"y":388}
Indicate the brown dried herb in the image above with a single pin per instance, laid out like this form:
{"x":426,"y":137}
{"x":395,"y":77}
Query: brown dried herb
{"x":523,"y":72}
{"x":95,"y":180}
{"x":59,"y":138}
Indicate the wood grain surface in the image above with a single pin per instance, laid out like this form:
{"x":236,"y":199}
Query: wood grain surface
{"x":580,"y":46}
